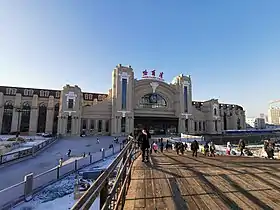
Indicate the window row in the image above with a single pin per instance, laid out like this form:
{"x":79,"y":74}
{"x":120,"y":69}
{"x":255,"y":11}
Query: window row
{"x":95,"y":127}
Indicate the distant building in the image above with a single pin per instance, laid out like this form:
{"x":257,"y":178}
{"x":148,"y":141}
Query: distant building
{"x":265,"y":117}
{"x":274,"y":113}
{"x":255,"y":122}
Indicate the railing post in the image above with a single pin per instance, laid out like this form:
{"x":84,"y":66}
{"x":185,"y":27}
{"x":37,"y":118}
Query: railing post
{"x":124,"y":176}
{"x":28,"y":187}
{"x":76,"y":165}
{"x":104,"y":194}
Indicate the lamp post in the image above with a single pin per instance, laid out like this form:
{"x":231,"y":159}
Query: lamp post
{"x":18,"y":110}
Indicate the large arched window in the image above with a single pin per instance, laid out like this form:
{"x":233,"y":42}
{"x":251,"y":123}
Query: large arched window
{"x":152,"y":100}
{"x":42,"y":116}
{"x":7,"y":117}
{"x":55,"y":118}
{"x":25,"y":117}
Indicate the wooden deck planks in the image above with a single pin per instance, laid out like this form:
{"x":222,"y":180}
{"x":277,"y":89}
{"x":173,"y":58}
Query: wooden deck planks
{"x":174,"y":181}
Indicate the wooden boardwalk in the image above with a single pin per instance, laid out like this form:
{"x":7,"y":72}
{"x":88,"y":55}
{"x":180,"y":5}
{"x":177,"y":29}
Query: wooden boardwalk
{"x":184,"y":182}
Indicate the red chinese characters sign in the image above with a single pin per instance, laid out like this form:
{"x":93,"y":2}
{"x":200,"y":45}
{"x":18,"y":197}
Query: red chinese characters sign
{"x":153,"y":75}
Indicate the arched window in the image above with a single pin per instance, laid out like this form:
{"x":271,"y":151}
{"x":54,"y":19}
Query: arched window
{"x":152,"y":100}
{"x":42,"y":116}
{"x":7,"y":117}
{"x":55,"y":118}
{"x":25,"y":117}
{"x":215,"y":111}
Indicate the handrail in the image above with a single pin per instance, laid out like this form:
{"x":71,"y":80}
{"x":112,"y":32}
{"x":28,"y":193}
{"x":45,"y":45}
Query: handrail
{"x":110,"y":199}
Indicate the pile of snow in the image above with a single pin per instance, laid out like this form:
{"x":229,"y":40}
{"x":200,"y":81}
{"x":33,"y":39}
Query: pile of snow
{"x":60,"y":195}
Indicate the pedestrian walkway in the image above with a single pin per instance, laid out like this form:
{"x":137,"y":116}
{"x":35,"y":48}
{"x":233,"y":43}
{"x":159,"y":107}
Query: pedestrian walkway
{"x":180,"y":182}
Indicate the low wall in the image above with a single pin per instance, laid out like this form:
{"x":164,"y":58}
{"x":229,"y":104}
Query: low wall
{"x":22,"y":191}
{"x":16,"y":156}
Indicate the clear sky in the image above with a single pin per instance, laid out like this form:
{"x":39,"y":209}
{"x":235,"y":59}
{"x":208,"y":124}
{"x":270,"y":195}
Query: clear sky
{"x":231,"y":48}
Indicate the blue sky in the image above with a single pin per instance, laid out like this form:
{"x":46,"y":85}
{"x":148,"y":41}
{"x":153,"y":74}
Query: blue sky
{"x":230,"y":48}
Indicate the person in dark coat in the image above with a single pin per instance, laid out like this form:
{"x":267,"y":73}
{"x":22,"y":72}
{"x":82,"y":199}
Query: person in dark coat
{"x":144,"y":140}
{"x":194,"y":148}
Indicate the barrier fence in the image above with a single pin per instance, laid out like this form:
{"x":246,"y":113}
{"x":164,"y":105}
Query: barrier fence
{"x":111,"y":197}
{"x":13,"y":156}
{"x":33,"y":184}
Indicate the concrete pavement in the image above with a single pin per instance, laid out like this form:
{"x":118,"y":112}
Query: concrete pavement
{"x":49,"y":158}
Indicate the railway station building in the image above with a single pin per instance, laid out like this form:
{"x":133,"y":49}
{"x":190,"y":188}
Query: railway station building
{"x":129,"y":105}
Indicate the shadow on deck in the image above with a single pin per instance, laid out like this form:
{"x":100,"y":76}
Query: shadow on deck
{"x":182,"y":182}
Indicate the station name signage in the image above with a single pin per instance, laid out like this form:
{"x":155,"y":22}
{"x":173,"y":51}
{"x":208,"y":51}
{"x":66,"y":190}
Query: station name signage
{"x":29,"y":92}
{"x":93,"y":96}
{"x":152,"y":75}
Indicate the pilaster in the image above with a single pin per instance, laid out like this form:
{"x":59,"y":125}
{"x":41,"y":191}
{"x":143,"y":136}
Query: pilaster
{"x":1,"y":110}
{"x":16,"y":115}
{"x":50,"y":115}
{"x":33,"y":115}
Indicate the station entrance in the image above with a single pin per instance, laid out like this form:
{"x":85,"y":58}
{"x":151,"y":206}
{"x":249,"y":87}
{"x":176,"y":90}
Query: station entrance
{"x":156,"y":125}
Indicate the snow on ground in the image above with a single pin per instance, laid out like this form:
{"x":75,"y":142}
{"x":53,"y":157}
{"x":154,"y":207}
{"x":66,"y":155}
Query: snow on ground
{"x":49,"y":158}
{"x":60,"y":195}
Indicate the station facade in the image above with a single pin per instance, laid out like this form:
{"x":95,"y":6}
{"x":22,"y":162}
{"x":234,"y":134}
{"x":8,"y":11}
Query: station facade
{"x":130,"y":105}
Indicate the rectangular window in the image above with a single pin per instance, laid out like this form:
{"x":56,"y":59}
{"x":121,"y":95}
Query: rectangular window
{"x":107,"y":126}
{"x":186,"y":125}
{"x":99,"y":125}
{"x":186,"y":98}
{"x":216,"y":125}
{"x":70,"y":103}
{"x":199,"y":126}
{"x":195,"y":126}
{"x":124,"y":92}
{"x":123,"y":122}
{"x":84,"y":124}
{"x":92,"y":122}
{"x":69,"y":124}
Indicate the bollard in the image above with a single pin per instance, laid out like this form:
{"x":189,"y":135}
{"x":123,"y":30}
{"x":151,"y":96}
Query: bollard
{"x":90,"y":159}
{"x":76,"y":165}
{"x":103,"y":153}
{"x":28,"y":187}
{"x":57,"y":172}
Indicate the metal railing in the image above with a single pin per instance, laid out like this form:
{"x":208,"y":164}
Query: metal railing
{"x":14,"y":156}
{"x":111,"y":196}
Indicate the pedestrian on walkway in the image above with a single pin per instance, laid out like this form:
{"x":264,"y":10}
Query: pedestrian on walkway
{"x":69,"y":153}
{"x":241,"y":146}
{"x":194,"y":148}
{"x":143,"y":139}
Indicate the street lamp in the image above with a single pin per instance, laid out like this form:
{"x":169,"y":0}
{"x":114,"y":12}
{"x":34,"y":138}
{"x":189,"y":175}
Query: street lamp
{"x":18,"y":110}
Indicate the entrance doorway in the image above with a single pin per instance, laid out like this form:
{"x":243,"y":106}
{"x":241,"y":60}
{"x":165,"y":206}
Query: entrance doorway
{"x":156,"y":125}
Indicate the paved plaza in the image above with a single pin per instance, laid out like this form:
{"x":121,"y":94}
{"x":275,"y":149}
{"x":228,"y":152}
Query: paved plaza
{"x":49,"y":158}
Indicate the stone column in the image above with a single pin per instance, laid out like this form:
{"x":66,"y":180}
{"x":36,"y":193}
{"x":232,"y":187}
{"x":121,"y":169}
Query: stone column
{"x":88,"y":124}
{"x":96,"y":126}
{"x":103,"y":126}
{"x":73,"y":125}
{"x":113,"y":126}
{"x":2,"y":102}
{"x":33,"y":115}
{"x":49,"y":120}
{"x":16,"y":115}
{"x":181,"y":125}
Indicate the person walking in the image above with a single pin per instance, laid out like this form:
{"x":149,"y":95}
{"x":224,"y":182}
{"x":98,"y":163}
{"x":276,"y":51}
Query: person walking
{"x":241,"y":146}
{"x":144,"y":140}
{"x":194,"y":148}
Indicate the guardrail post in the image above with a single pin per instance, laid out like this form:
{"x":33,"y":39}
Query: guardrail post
{"x":103,"y":153}
{"x":76,"y":165}
{"x":28,"y":187}
{"x":104,"y":193}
